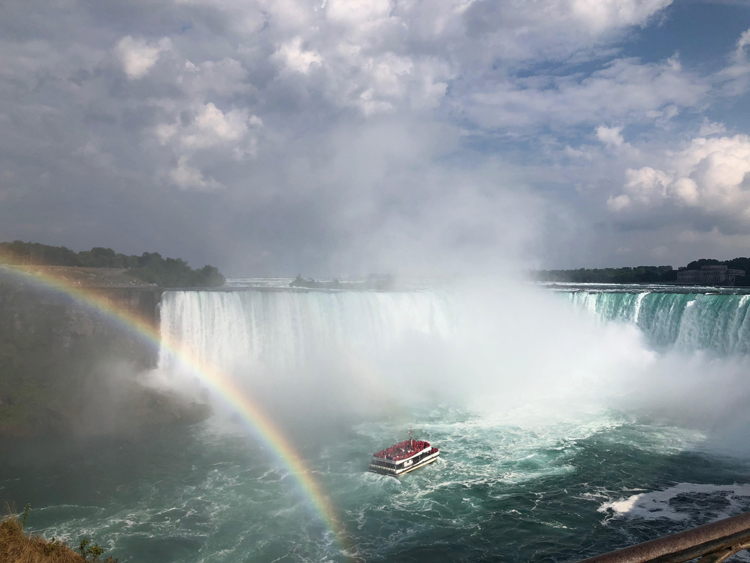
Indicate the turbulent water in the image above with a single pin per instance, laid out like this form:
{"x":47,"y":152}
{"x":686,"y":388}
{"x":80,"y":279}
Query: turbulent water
{"x":688,"y":321}
{"x":524,"y":480}
{"x":284,"y":329}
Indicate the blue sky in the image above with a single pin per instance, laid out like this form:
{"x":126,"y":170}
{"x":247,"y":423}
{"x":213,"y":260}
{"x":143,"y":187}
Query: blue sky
{"x":335,"y":137}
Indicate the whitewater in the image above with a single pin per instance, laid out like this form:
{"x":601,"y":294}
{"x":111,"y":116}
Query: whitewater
{"x":571,"y":421}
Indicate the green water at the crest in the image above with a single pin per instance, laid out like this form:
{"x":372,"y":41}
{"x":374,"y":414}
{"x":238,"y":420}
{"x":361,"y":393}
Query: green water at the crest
{"x":692,"y":321}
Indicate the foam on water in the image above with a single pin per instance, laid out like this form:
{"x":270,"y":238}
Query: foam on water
{"x":681,"y":501}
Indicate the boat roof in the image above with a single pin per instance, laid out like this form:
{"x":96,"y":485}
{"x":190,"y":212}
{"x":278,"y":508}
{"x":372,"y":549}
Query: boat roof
{"x":402,"y":450}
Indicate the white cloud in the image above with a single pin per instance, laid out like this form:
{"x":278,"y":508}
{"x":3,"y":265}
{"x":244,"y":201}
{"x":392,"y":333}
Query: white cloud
{"x":358,"y":12}
{"x":710,"y":128}
{"x":643,"y":187}
{"x":382,"y":55}
{"x":188,"y":178}
{"x":737,"y":74}
{"x":610,"y":135}
{"x":740,"y":53}
{"x":604,"y":14}
{"x":138,"y":56}
{"x":213,"y":127}
{"x":231,"y":134}
{"x":295,"y":58}
{"x":210,"y":128}
{"x":711,"y":175}
{"x":625,"y":89}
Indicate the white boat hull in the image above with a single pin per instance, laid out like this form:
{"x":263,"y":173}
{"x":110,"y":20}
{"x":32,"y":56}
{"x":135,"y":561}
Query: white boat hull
{"x":396,"y":471}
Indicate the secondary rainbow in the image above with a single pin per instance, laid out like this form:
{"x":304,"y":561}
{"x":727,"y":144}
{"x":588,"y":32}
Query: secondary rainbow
{"x":257,"y":421}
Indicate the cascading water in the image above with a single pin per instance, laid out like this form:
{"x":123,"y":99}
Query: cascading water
{"x":685,"y":321}
{"x":283,"y":329}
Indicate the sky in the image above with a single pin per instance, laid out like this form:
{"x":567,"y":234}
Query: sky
{"x":347,"y":137}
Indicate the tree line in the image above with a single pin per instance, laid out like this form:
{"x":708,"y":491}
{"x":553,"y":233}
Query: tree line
{"x":640,"y":274}
{"x":149,"y":266}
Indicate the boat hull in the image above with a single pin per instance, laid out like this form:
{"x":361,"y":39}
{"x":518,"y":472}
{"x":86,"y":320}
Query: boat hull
{"x":393,"y":472}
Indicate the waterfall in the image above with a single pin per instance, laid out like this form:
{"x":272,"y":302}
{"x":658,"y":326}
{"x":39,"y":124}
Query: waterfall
{"x":689,"y":321}
{"x":283,"y":329}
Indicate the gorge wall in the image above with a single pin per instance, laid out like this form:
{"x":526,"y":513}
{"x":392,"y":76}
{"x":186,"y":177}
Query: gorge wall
{"x":65,"y":367}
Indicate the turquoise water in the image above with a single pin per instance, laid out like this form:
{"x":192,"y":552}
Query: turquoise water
{"x":506,"y":488}
{"x":685,"y":320}
{"x":499,"y":493}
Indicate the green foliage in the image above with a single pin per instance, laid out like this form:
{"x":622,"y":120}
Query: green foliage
{"x":149,"y":267}
{"x":25,"y":514}
{"x":172,"y":272}
{"x":641,"y":274}
{"x":95,"y":551}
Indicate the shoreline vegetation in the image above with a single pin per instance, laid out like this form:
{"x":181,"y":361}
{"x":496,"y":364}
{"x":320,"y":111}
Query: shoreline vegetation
{"x":16,"y":546}
{"x":639,"y":274}
{"x":103,"y":267}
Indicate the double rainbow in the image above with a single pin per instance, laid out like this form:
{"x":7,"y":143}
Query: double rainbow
{"x":253,"y":416}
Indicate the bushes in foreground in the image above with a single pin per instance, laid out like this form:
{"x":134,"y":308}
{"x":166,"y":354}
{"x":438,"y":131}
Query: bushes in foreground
{"x":18,"y":547}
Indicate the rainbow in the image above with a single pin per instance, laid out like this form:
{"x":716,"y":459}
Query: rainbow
{"x":253,"y":416}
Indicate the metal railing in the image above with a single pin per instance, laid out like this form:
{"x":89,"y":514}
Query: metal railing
{"x":712,"y":543}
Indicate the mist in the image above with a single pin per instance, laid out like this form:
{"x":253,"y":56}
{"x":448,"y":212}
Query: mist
{"x":507,"y":352}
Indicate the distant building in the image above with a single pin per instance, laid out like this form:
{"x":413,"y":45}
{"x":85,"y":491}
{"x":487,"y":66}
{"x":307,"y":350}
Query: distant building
{"x":709,"y":275}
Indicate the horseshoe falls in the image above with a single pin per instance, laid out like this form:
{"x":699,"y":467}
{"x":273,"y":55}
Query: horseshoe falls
{"x":570,"y":423}
{"x":283,"y":329}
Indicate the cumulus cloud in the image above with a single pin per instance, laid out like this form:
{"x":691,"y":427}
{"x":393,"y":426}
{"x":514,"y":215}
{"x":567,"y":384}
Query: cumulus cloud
{"x":188,"y":178}
{"x":213,"y":127}
{"x":295,"y":58}
{"x":711,"y":175}
{"x":138,"y":56}
{"x":610,"y":135}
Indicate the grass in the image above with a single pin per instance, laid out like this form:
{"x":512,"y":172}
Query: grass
{"x":16,"y":546}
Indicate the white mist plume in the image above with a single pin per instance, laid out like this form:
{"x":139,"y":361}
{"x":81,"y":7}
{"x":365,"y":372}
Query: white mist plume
{"x":512,"y":353}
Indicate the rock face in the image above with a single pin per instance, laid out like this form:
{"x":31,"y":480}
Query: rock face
{"x":64,"y":367}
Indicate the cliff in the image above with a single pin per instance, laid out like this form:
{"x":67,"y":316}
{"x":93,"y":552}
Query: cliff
{"x":66,"y":368}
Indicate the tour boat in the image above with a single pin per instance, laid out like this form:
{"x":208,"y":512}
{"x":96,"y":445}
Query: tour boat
{"x":403,"y":457}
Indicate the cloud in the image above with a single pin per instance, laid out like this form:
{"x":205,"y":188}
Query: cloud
{"x":709,"y":128}
{"x":188,"y":178}
{"x":347,"y":136}
{"x":610,"y":135}
{"x":625,"y":89}
{"x":138,"y":56}
{"x":740,"y":53}
{"x":643,"y":187}
{"x":207,"y":129}
{"x":736,"y":76}
{"x":212,"y":127}
{"x":295,"y":58}
{"x":711,"y":175}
